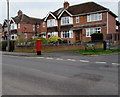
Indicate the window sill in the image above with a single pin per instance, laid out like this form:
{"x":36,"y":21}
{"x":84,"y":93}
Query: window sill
{"x":94,"y":21}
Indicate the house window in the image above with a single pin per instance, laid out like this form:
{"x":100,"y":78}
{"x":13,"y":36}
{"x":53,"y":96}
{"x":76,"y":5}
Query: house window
{"x":51,"y":23}
{"x":90,"y":31}
{"x":67,"y":34}
{"x":33,"y":27}
{"x":18,"y":25}
{"x":12,"y":26}
{"x":43,"y":24}
{"x":66,"y":20}
{"x":25,"y":34}
{"x":94,"y":17}
{"x":77,"y":19}
{"x":54,"y":34}
{"x":38,"y":26}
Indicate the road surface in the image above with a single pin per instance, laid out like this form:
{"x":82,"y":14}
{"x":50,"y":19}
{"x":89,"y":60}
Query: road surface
{"x":58,"y":76}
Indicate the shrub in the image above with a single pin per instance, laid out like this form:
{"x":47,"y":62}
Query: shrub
{"x":54,"y":39}
{"x":97,"y":37}
{"x":78,"y":42}
{"x":43,"y":40}
{"x":4,"y":45}
{"x":12,"y":45}
{"x":21,"y":39}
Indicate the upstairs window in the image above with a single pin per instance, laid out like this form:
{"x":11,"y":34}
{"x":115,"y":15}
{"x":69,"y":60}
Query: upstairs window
{"x":51,"y":23}
{"x":12,"y":26}
{"x":33,"y":27}
{"x":77,"y":19}
{"x":94,"y":17}
{"x":66,"y":20}
{"x":38,"y":26}
{"x":43,"y":24}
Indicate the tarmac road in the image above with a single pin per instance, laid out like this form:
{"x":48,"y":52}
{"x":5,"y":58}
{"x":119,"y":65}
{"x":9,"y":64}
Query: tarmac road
{"x":58,"y":76}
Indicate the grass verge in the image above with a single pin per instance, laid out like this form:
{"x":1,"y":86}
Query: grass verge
{"x":97,"y":52}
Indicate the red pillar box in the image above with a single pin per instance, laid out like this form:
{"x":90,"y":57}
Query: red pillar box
{"x":38,"y":47}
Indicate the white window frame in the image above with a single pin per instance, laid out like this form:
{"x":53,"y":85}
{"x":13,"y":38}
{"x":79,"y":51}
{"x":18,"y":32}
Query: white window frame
{"x":94,"y":17}
{"x":90,"y":31}
{"x":18,"y":25}
{"x":67,"y":34}
{"x":38,"y":25}
{"x":33,"y":27}
{"x":77,"y":19}
{"x":54,"y":34}
{"x":43,"y":24}
{"x":66,"y":20}
{"x":25,"y":34}
{"x":51,"y":22}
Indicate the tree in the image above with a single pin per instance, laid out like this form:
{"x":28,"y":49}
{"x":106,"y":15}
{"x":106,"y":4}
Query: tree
{"x":21,"y":38}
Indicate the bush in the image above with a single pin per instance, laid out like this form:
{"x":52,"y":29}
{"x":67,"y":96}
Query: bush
{"x":65,"y":41}
{"x":12,"y":45}
{"x":78,"y":42}
{"x":4,"y":45}
{"x":95,"y":37}
{"x":43,"y":40}
{"x":54,"y":39}
{"x":21,"y":39}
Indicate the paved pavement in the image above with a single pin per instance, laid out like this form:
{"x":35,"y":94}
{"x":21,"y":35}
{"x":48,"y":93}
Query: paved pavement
{"x":23,"y":75}
{"x":105,"y":58}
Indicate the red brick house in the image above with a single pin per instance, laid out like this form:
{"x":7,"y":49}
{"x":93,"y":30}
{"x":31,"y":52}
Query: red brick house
{"x":0,"y":32}
{"x":78,"y":22}
{"x":23,"y":24}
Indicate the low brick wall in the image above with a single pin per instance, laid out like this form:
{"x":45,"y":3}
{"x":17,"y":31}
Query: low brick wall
{"x":61,"y":47}
{"x":48,"y":48}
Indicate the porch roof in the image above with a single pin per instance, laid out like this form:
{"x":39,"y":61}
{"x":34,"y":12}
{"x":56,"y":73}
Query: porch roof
{"x":78,"y":27}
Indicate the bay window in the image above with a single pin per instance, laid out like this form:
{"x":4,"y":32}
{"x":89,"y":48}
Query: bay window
{"x":66,"y":20}
{"x":67,"y":34}
{"x":90,"y":31}
{"x":51,"y":23}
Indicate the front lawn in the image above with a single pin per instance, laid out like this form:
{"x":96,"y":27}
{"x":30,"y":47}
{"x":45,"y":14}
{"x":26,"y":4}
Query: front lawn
{"x":98,"y":52}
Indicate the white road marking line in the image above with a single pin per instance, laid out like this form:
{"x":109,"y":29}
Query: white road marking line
{"x":59,"y":59}
{"x":101,"y":62}
{"x":84,"y":61}
{"x":49,"y":58}
{"x":35,"y":57}
{"x":71,"y":59}
{"x":115,"y":64}
{"x":40,"y":57}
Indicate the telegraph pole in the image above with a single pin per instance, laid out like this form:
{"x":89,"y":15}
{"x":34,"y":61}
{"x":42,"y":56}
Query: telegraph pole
{"x":8,"y":25}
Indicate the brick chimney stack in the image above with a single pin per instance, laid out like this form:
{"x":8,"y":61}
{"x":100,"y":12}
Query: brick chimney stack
{"x":20,"y":13}
{"x":66,"y":4}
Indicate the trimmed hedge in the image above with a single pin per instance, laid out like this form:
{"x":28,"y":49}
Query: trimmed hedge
{"x":95,"y":37}
{"x":3,"y":45}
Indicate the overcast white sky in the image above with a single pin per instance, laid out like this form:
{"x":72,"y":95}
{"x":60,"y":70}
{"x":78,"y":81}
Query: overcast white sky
{"x":40,"y":8}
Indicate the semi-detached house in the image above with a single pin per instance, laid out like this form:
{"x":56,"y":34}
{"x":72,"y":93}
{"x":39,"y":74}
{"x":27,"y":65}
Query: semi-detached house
{"x":22,"y":24}
{"x":78,"y":22}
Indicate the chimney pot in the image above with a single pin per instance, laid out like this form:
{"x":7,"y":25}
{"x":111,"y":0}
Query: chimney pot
{"x":20,"y":13}
{"x":66,"y":4}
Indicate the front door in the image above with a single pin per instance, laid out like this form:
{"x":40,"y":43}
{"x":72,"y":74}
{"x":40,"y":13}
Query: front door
{"x":77,"y":35}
